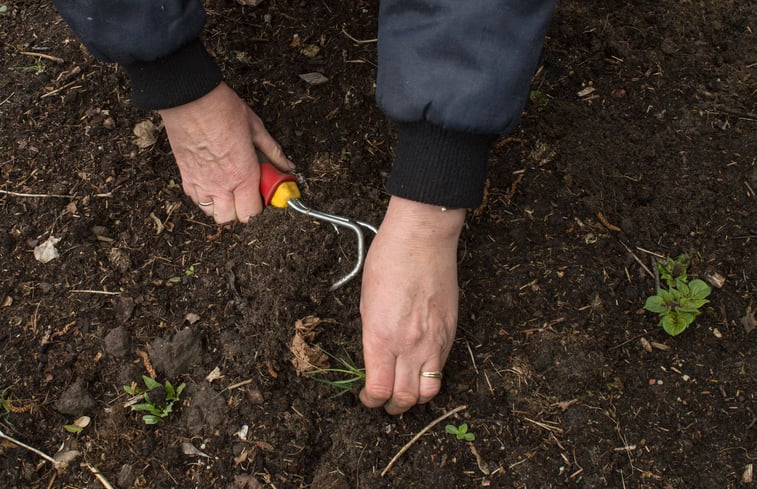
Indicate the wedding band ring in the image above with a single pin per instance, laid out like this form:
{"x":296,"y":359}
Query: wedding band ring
{"x":205,"y":204}
{"x":432,"y":375}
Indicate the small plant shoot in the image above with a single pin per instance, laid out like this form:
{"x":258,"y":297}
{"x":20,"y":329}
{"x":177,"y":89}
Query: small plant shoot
{"x":461,"y":432}
{"x":681,"y":303}
{"x":156,"y":410}
{"x":348,"y":374}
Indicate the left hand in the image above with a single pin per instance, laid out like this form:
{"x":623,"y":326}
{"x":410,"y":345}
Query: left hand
{"x":409,"y":303}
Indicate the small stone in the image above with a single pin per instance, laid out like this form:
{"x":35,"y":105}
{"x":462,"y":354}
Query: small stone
{"x":717,"y":333}
{"x":126,"y":476}
{"x":646,"y":345}
{"x":685,"y":378}
{"x":255,"y":396}
{"x":652,"y":381}
{"x":118,"y":342}
{"x":75,"y":400}
{"x":659,"y":381}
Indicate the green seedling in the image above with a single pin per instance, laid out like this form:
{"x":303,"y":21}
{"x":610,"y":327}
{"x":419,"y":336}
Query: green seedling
{"x":681,"y":303}
{"x":37,"y":68}
{"x":190,"y":272}
{"x":348,"y":374}
{"x":461,"y":432}
{"x":539,"y":99}
{"x":155,"y":413}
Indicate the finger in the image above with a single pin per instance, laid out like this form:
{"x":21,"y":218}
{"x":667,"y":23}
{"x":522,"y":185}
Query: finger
{"x":406,"y":387}
{"x":224,"y":210}
{"x":247,"y":200}
{"x":379,"y":377}
{"x":264,"y":142}
{"x":429,"y":386}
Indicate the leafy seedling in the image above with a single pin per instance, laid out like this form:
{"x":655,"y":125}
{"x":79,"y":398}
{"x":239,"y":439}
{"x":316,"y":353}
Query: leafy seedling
{"x":539,"y":99}
{"x":461,"y":432}
{"x":348,"y":374}
{"x":156,"y":410}
{"x":681,"y":303}
{"x":190,"y":271}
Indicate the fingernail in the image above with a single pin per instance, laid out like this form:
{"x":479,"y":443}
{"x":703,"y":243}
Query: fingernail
{"x":290,"y":165}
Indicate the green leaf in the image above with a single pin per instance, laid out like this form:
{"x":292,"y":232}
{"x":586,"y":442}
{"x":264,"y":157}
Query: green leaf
{"x":179,"y":390}
{"x":151,"y":419}
{"x":675,"y":324}
{"x":130,"y":391}
{"x":463,"y":428}
{"x":688,"y":309}
{"x":147,"y":407}
{"x":72,"y":428}
{"x":451,"y":429}
{"x":170,"y":392}
{"x":682,"y":288}
{"x":470,"y":437}
{"x":699,"y":289}
{"x":655,"y":304}
{"x":150,"y":382}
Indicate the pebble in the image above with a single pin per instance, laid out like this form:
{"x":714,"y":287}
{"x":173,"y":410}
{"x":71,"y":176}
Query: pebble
{"x":685,"y":377}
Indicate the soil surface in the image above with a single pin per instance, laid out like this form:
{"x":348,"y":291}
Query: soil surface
{"x":638,"y":142}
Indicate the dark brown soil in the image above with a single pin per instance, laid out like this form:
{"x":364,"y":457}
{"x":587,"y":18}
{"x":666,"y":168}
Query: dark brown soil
{"x":549,"y":361}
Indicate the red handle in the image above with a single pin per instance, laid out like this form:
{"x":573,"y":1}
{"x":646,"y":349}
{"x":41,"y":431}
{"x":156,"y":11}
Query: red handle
{"x":270,"y":179}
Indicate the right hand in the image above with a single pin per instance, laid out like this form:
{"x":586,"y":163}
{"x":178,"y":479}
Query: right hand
{"x":214,"y":140}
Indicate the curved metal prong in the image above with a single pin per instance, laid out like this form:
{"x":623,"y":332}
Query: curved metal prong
{"x":355,"y":226}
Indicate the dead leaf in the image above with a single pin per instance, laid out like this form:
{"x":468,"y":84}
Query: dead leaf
{"x":263,"y":445}
{"x":214,"y":374}
{"x":314,"y":78}
{"x":146,"y":133}
{"x":7,"y":301}
{"x":192,"y":317}
{"x":307,"y":357}
{"x":192,"y":451}
{"x":646,"y":345}
{"x":241,"y":458}
{"x":310,"y":50}
{"x":65,"y":457}
{"x":82,"y":422}
{"x":246,"y":481}
{"x":564,"y":405}
{"x":46,"y":251}
{"x":749,"y":320}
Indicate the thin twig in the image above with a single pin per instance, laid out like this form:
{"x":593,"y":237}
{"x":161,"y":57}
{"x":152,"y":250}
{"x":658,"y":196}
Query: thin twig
{"x":99,"y":476}
{"x":637,"y":259}
{"x":41,"y":55}
{"x":53,"y":92}
{"x":359,"y":41}
{"x":44,"y":196}
{"x":421,"y":433}
{"x":101,"y":292}
{"x":238,"y":384}
{"x":31,"y":449}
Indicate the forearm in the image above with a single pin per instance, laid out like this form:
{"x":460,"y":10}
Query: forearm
{"x":156,"y":42}
{"x":454,"y":75}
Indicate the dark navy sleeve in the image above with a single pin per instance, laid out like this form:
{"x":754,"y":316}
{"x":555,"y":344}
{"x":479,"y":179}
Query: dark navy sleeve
{"x":454,"y":75}
{"x":157,"y":42}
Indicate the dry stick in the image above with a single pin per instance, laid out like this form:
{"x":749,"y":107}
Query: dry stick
{"x":637,"y":259}
{"x":101,"y":292}
{"x":421,"y":433}
{"x":31,"y":449}
{"x":48,"y":196}
{"x":99,"y":476}
{"x":41,"y":55}
{"x":359,"y":41}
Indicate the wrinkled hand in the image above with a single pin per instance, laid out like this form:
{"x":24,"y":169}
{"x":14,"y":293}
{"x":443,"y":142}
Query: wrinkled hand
{"x":409,"y":303}
{"x":214,"y":139}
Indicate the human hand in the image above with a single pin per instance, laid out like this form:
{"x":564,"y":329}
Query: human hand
{"x":214,"y":139}
{"x":409,"y":303}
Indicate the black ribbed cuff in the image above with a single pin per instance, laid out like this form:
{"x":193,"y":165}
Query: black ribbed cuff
{"x":174,"y":80}
{"x":439,"y":166}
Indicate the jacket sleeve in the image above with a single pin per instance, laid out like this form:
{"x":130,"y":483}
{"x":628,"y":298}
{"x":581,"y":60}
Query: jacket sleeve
{"x":157,"y":42}
{"x":454,"y":75}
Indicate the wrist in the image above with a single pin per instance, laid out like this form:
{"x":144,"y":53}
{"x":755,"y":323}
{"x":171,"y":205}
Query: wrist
{"x":424,"y":223}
